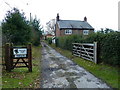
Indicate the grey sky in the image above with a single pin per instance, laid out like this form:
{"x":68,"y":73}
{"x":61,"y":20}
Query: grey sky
{"x":100,"y":13}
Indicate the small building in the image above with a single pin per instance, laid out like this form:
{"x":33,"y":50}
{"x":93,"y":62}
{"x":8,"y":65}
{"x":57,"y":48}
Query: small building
{"x":68,"y":27}
{"x":49,"y":36}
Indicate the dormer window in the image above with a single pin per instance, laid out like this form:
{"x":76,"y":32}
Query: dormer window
{"x":68,"y":32}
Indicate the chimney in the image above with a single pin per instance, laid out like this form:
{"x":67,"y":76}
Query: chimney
{"x":85,"y":18}
{"x":57,"y":18}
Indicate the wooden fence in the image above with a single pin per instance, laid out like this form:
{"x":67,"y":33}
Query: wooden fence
{"x":17,"y":57}
{"x":86,"y":51}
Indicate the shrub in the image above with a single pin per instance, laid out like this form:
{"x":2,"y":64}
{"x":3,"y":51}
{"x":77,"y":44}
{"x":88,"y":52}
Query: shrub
{"x":66,"y":41}
{"x":56,"y":42}
{"x":108,"y":45}
{"x":110,"y":50}
{"x":49,"y":40}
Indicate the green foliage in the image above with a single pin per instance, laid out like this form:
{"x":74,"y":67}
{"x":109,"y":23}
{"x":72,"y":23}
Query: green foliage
{"x":56,"y":42}
{"x":107,"y":30}
{"x":110,"y":50}
{"x":49,"y":40}
{"x":37,"y":32}
{"x":108,"y":45}
{"x":66,"y":41}
{"x":16,"y":28}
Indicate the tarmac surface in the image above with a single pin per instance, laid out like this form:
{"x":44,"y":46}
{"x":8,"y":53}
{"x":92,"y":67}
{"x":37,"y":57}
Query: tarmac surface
{"x":61,"y":72}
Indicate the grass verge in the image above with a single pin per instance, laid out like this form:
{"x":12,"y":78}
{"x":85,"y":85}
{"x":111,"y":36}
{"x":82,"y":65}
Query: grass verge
{"x":20,"y":77}
{"x":107,"y":73}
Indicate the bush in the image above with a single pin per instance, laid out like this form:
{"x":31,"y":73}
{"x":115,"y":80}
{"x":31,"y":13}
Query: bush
{"x":56,"y":42}
{"x":49,"y":40}
{"x":36,"y":38}
{"x":108,"y":45}
{"x":36,"y":42}
{"x":110,"y":50}
{"x":66,"y":41}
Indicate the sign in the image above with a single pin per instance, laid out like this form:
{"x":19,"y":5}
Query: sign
{"x":20,"y":52}
{"x":18,"y":57}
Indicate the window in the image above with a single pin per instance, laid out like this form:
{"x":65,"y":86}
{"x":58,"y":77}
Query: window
{"x":85,"y":32}
{"x":68,"y":31}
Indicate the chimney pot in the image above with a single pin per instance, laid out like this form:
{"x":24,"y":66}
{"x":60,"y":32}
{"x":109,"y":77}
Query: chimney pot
{"x":57,"y":17}
{"x":85,"y":18}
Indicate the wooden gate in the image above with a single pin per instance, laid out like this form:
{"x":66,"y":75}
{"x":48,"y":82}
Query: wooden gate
{"x":17,"y":57}
{"x":86,"y":51}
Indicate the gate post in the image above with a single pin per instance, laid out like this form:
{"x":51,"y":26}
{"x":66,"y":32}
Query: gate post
{"x":95,"y":52}
{"x":7,"y":57}
{"x":29,"y":47}
{"x":11,"y":55}
{"x":72,"y":48}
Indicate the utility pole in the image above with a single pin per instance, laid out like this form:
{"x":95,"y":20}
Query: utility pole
{"x":119,"y":16}
{"x":30,"y":18}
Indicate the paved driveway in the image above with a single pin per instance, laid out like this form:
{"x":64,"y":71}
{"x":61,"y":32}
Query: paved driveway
{"x":60,"y":72}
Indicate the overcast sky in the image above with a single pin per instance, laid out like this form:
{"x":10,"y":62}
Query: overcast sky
{"x":99,"y":13}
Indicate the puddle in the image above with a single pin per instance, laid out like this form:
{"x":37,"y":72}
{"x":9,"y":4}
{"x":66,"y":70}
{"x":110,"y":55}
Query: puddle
{"x":50,"y":69}
{"x":73,"y":64}
{"x":53,"y":69}
{"x":43,"y":53}
{"x":54,"y":58}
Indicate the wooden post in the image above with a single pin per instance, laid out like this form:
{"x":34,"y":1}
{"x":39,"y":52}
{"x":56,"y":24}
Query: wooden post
{"x":95,"y":52}
{"x":29,"y":57}
{"x":7,"y":57}
{"x":11,"y":54}
{"x":98,"y":52}
{"x":80,"y":50}
{"x":72,"y":48}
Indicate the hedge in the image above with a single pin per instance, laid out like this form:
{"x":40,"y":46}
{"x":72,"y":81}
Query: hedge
{"x":108,"y":45}
{"x":49,"y":40}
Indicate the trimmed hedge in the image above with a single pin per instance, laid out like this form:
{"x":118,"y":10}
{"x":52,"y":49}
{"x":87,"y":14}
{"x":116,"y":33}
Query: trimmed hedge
{"x":66,"y":41}
{"x":108,"y":45}
{"x":110,"y":50}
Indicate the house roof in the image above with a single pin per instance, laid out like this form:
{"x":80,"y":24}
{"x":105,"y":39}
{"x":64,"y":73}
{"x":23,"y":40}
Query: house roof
{"x":74,"y":24}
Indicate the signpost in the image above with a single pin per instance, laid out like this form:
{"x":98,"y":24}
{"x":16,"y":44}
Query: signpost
{"x":14,"y":56}
{"x":20,"y":52}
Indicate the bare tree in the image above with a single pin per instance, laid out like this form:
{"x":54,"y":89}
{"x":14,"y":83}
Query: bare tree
{"x":51,"y":26}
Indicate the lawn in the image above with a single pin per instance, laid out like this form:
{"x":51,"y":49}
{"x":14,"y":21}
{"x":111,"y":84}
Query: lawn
{"x":20,"y":77}
{"x":107,"y":73}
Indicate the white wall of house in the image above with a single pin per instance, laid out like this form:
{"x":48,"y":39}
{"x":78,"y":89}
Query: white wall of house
{"x":53,"y":40}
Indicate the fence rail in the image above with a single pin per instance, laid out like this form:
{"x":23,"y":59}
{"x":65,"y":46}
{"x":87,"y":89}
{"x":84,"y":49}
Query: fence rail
{"x":86,"y":51}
